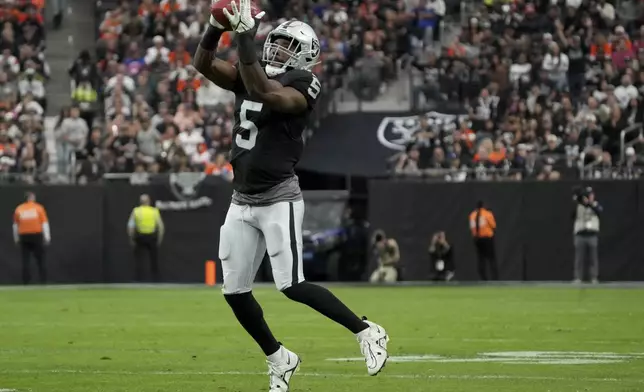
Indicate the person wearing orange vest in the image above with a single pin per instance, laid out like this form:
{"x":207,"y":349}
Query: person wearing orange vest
{"x":31,"y":231}
{"x":483,"y":227}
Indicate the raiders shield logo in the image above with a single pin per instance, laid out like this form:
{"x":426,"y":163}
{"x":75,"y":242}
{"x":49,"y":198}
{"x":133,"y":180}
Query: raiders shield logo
{"x":184,"y":186}
{"x":397,"y":132}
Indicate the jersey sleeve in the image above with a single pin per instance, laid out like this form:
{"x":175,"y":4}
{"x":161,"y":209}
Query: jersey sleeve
{"x":306,"y":83}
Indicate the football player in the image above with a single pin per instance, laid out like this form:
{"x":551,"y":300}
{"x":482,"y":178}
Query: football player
{"x":274,"y":100}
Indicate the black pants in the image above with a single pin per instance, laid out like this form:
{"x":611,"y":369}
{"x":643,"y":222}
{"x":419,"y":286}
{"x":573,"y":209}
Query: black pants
{"x":486,"y":256}
{"x":146,"y":243}
{"x":33,"y":244}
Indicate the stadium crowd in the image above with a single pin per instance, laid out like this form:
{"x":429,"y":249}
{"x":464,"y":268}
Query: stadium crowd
{"x":148,"y":110}
{"x":23,"y":76}
{"x":548,"y":87}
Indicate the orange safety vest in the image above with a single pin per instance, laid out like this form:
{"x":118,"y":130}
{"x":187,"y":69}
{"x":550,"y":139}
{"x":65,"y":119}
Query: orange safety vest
{"x":486,"y":223}
{"x":30,"y":218}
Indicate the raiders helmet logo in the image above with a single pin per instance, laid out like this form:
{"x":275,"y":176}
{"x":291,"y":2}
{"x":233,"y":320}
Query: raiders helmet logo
{"x":184,"y":186}
{"x":397,"y":132}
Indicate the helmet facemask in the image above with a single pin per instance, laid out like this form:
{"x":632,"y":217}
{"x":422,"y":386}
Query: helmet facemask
{"x":281,"y":53}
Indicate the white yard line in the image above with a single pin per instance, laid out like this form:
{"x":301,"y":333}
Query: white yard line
{"x":324,"y":375}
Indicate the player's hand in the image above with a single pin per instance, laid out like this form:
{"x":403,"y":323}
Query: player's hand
{"x":241,"y":18}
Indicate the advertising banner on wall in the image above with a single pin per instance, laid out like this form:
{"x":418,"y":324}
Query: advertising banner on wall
{"x":359,"y":144}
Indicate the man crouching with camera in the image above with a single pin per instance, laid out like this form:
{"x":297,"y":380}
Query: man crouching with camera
{"x":387,"y":255}
{"x":586,"y":217}
{"x":441,"y":257}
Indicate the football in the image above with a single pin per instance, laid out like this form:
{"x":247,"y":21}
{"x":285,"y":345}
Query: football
{"x":217,"y":11}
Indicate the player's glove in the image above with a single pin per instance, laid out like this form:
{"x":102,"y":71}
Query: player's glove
{"x":241,"y":18}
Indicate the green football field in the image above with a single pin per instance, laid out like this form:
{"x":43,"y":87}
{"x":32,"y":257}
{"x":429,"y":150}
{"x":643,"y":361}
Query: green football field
{"x":516,"y":338}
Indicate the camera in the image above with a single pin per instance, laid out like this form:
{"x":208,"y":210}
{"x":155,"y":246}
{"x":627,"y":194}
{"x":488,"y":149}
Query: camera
{"x":579,"y":193}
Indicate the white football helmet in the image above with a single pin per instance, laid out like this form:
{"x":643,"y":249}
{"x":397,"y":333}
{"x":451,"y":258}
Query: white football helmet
{"x":291,"y":45}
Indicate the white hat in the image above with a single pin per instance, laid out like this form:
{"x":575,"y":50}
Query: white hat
{"x":158,"y":38}
{"x":630,"y":151}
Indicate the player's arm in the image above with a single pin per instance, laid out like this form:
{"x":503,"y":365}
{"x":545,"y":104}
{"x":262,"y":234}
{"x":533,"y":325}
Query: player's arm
{"x":217,"y":71}
{"x":285,"y":99}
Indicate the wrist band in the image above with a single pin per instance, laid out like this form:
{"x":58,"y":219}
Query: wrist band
{"x":246,"y":47}
{"x":210,"y":38}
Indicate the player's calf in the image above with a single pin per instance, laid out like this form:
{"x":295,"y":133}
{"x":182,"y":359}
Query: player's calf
{"x":322,"y":300}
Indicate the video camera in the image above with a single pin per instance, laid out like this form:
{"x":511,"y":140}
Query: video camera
{"x":579,"y":192}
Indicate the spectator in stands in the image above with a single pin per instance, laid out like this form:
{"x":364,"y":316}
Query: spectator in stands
{"x":149,"y":142}
{"x":8,"y":62}
{"x":30,"y":58}
{"x":158,"y":55}
{"x":71,"y":139}
{"x":29,"y":108}
{"x":8,"y":92}
{"x":369,"y":81}
{"x":220,"y":167}
{"x":626,"y":92}
{"x":85,"y":97}
{"x":83,"y":69}
{"x":30,"y":83}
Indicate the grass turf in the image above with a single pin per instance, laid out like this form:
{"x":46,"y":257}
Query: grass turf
{"x":186,"y":339}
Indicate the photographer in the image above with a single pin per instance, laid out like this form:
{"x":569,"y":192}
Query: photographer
{"x":586,"y":225}
{"x":441,"y":256}
{"x":387,"y":255}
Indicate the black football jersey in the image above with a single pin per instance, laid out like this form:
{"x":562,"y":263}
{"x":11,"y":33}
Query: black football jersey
{"x":268,"y":144}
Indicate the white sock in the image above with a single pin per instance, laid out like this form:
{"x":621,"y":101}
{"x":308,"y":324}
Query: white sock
{"x":361,"y":335}
{"x":278,"y":356}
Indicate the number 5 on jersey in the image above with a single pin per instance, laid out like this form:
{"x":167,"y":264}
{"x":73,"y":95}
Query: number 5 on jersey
{"x":251,"y":106}
{"x":245,"y":123}
{"x":315,"y":87}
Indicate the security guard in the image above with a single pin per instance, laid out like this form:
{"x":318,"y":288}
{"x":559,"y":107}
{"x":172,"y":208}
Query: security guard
{"x":31,"y":231}
{"x":145,"y":228}
{"x":483,"y":227}
{"x":586,"y":217}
